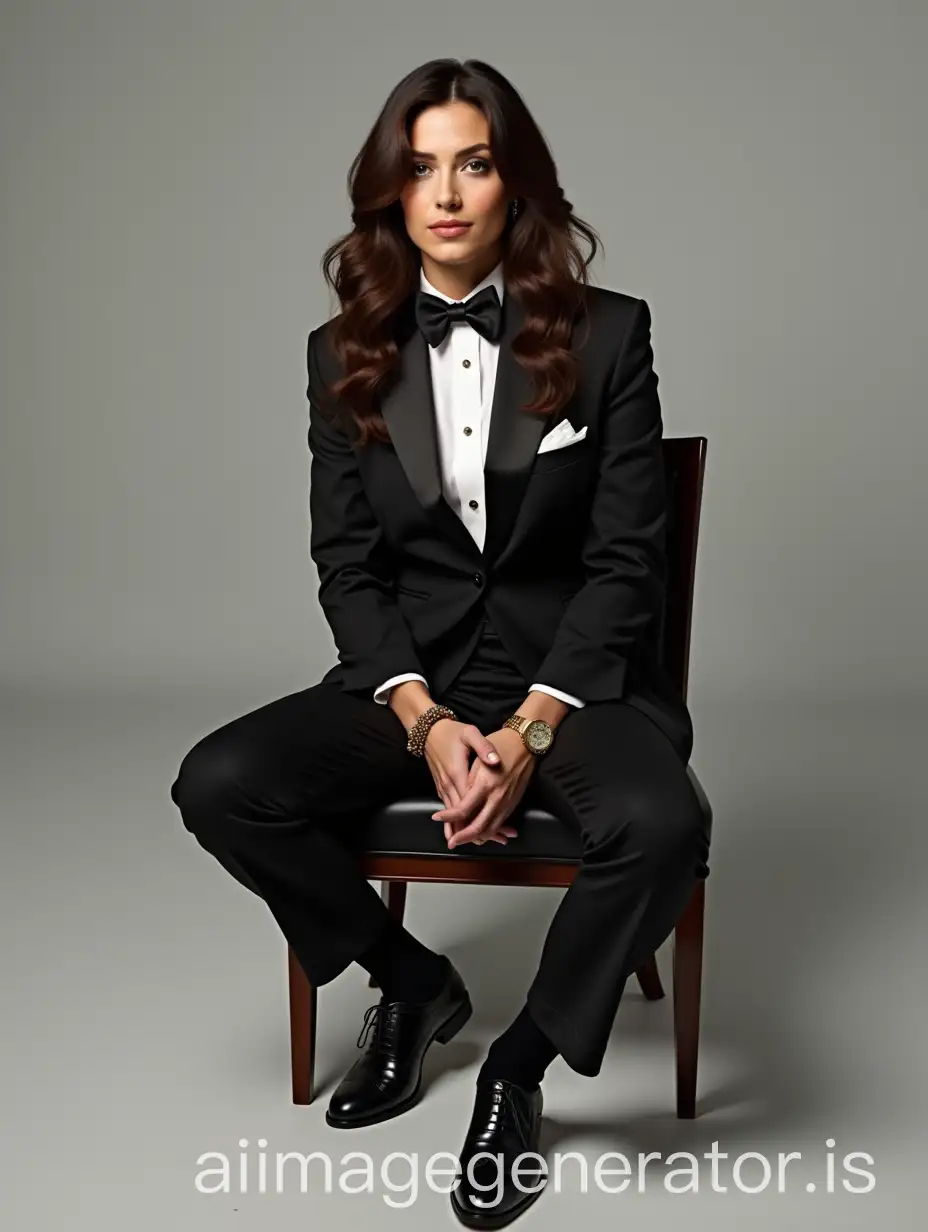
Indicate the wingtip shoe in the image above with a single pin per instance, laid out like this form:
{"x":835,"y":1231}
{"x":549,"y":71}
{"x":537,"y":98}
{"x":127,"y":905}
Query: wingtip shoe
{"x":387,"y":1079}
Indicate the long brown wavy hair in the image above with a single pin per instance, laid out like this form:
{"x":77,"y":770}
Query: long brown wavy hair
{"x":374,"y":269}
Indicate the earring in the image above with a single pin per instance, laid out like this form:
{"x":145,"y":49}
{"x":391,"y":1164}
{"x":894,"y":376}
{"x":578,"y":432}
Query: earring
{"x":515,"y":209}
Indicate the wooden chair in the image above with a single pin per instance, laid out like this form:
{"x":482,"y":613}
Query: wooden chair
{"x":402,"y":844}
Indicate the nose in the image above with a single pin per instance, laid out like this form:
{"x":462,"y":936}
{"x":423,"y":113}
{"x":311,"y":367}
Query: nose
{"x":447,"y":193}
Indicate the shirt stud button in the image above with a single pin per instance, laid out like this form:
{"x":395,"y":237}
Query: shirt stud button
{"x":465,"y":363}
{"x":473,"y":504}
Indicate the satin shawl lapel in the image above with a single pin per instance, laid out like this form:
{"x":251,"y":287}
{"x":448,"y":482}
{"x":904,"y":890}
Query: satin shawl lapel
{"x":514,"y":436}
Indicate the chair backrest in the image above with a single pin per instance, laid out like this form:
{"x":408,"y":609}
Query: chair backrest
{"x":684,"y":466}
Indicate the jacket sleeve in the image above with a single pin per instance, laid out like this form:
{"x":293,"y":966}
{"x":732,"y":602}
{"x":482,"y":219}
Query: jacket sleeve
{"x":623,"y":552}
{"x":354,"y":562}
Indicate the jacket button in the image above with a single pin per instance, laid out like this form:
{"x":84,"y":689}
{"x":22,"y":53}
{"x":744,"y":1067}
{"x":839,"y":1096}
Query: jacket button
{"x":478,"y":579}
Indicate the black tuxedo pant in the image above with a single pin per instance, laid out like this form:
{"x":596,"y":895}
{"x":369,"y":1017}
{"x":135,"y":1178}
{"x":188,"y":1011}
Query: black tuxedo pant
{"x":274,"y":794}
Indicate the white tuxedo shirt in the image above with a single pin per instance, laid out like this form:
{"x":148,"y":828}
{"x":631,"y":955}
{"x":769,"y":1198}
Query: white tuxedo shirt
{"x":463,"y":368}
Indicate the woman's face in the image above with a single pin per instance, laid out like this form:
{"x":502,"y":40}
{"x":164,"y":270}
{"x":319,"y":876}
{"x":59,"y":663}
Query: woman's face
{"x":453,"y":176}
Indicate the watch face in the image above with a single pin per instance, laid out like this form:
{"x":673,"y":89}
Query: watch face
{"x":539,"y":735}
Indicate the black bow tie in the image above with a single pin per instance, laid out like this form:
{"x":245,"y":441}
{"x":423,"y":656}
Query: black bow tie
{"x":483,"y":311}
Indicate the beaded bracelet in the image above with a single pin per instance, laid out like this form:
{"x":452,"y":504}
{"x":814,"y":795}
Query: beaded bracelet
{"x":420,"y":729}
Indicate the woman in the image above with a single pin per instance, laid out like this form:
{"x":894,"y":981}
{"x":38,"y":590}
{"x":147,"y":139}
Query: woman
{"x":488,"y":523}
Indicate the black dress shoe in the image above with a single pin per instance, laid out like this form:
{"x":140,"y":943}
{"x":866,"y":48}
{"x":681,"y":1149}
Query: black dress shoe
{"x":506,"y":1122}
{"x":387,"y":1079}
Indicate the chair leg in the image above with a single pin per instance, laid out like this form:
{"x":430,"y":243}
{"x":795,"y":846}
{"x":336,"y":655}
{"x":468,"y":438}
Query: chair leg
{"x":650,"y":979}
{"x":687,"y":986}
{"x":394,"y":894}
{"x":302,"y":1031}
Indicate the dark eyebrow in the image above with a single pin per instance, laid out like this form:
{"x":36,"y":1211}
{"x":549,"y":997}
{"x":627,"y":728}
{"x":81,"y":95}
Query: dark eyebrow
{"x":471,"y":149}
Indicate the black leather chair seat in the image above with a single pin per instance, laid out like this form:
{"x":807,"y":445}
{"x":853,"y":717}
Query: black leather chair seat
{"x":405,"y":827}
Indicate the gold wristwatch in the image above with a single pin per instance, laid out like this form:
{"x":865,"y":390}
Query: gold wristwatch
{"x":537,"y":735}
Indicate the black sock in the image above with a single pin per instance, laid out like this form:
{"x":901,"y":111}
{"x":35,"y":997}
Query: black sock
{"x":405,"y":969}
{"x":521,"y":1054}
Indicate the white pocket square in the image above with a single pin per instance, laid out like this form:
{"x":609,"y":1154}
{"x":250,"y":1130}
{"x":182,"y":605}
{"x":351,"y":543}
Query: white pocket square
{"x":560,"y":436}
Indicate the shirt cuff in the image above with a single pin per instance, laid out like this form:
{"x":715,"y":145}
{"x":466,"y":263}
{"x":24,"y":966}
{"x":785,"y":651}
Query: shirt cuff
{"x":382,"y":693}
{"x":563,"y":697}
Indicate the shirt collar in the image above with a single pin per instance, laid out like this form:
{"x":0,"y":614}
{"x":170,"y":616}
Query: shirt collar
{"x":494,"y":279}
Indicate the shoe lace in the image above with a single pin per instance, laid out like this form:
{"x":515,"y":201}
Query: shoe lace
{"x":503,"y":1103}
{"x":380,"y":1021}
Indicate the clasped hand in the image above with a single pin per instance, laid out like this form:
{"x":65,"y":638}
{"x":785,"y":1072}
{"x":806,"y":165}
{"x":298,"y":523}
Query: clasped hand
{"x":477,"y":797}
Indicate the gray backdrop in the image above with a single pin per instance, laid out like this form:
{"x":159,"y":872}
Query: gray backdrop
{"x":172,"y":171}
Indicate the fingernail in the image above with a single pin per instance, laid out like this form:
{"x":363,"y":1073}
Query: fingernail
{"x":494,"y":757}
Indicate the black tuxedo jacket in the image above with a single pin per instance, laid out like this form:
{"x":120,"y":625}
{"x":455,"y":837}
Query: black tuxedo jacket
{"x":573,"y":570}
